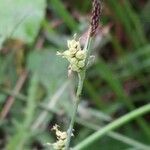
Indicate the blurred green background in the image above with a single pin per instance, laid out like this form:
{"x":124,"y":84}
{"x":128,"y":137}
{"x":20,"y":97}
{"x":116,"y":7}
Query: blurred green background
{"x":35,"y":92}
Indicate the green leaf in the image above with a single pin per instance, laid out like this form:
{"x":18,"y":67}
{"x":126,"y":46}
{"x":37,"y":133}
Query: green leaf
{"x":21,"y":19}
{"x":51,"y":69}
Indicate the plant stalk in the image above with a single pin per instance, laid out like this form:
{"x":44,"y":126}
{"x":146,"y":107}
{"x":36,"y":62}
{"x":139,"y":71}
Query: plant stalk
{"x":81,"y":76}
{"x":78,"y":93}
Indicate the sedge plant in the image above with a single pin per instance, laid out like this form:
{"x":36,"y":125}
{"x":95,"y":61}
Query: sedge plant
{"x":78,"y":59}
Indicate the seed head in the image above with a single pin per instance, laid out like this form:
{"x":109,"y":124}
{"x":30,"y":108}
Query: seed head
{"x":81,"y":54}
{"x":61,"y":138}
{"x":75,"y":55}
{"x":81,"y":63}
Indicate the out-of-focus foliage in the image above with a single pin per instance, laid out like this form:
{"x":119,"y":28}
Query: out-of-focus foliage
{"x":49,"y":67}
{"x":21,"y":19}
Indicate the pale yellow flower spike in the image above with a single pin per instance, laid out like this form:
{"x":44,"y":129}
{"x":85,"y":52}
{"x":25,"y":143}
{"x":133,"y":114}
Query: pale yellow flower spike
{"x":75,"y":55}
{"x":61,"y":138}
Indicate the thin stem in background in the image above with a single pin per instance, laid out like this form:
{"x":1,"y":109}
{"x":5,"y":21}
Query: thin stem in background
{"x":117,"y":136}
{"x":22,"y":134}
{"x":115,"y":124}
{"x":11,"y":98}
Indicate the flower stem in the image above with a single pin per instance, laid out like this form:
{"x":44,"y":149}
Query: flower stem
{"x":81,"y":76}
{"x":79,"y":91}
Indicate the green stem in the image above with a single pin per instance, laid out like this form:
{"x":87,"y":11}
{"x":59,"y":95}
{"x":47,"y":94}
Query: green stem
{"x":115,"y":124}
{"x":79,"y":91}
{"x":81,"y":76}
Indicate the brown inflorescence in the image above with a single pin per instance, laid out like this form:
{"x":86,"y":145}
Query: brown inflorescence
{"x":96,"y":10}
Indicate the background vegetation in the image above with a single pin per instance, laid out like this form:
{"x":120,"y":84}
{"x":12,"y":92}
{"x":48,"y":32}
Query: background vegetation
{"x":35,"y":92}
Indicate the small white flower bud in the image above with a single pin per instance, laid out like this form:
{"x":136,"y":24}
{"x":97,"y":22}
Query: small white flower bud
{"x":76,"y":45}
{"x":73,"y":44}
{"x":81,"y":64}
{"x":63,"y":135}
{"x":81,"y":54}
{"x":55,"y":127}
{"x":73,"y":50}
{"x":58,"y":133}
{"x":73,"y":61}
{"x":66,"y":53}
{"x":75,"y":68}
